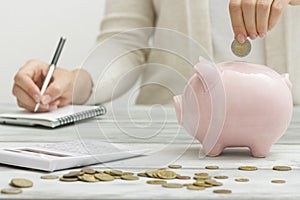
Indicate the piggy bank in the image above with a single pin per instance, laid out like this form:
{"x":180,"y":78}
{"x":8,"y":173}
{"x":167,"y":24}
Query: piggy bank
{"x":235,"y":104}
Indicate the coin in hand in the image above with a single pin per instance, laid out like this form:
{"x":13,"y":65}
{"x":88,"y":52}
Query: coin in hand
{"x":241,"y":49}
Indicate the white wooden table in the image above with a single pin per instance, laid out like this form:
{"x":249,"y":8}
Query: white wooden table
{"x":170,"y":144}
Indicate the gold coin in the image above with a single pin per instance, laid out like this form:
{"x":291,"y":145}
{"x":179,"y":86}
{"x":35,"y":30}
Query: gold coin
{"x":241,"y":49}
{"x":187,"y":184}
{"x":150,"y":173}
{"x":174,"y":166}
{"x":21,"y":183}
{"x":165,"y":174}
{"x":106,"y":171}
{"x":212,"y":167}
{"x":172,"y":185}
{"x":241,"y":179}
{"x":202,"y":184}
{"x":88,"y":170}
{"x":88,"y":178}
{"x":213,"y":182}
{"x":200,"y":181}
{"x":248,"y":168}
{"x":49,"y":177}
{"x":142,"y":174}
{"x":155,"y":173}
{"x":221,"y":177}
{"x":11,"y":191}
{"x":116,"y":172}
{"x":156,"y":182}
{"x":117,"y":177}
{"x":278,"y":181}
{"x":201,"y":174}
{"x":73,"y":174}
{"x":68,"y":179}
{"x":127,"y":173}
{"x":222,"y":191}
{"x":129,"y":177}
{"x":193,"y":187}
{"x":202,"y":177}
{"x":104,"y":177}
{"x":183,"y":177}
{"x":282,"y":168}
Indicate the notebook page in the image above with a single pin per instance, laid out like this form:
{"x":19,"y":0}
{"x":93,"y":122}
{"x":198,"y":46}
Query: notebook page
{"x":51,"y":116}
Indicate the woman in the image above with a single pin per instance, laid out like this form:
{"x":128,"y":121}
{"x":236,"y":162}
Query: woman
{"x":206,"y":22}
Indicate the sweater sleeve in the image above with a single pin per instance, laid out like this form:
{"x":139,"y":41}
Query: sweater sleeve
{"x":124,"y":36}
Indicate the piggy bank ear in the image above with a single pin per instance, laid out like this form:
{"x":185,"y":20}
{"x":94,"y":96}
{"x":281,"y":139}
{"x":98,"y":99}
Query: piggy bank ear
{"x":286,"y":79}
{"x":211,"y":78}
{"x":178,"y":107}
{"x":208,"y":73}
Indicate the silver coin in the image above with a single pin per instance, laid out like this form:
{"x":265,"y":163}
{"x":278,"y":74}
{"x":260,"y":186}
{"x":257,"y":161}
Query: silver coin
{"x":241,"y":49}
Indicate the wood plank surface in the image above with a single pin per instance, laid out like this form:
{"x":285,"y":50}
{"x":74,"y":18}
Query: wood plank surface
{"x":156,"y":129}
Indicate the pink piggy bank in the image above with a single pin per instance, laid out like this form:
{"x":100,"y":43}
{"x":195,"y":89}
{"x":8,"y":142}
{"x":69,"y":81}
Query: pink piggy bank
{"x":235,"y":104}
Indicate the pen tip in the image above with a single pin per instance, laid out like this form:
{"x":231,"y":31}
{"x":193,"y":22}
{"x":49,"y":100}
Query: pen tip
{"x":36,"y":107}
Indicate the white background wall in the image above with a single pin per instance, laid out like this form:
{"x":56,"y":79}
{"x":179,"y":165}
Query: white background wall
{"x":31,"y":29}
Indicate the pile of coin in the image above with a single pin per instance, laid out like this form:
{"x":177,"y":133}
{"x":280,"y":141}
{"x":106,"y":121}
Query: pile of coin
{"x":90,"y":175}
{"x":201,"y":180}
{"x":163,"y":177}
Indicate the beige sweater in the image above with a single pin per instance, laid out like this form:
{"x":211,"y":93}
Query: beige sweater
{"x":164,"y":69}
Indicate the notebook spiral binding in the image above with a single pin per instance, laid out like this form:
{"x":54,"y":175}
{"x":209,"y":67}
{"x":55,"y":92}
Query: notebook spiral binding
{"x":82,"y":115}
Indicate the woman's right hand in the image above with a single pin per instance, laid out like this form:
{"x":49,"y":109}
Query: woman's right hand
{"x":60,"y":91}
{"x":253,"y":18}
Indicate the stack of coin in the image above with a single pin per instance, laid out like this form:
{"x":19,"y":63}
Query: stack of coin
{"x":159,"y":173}
{"x":90,"y":175}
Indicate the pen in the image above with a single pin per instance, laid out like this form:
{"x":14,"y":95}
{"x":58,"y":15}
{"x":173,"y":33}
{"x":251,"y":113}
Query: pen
{"x":51,"y":68}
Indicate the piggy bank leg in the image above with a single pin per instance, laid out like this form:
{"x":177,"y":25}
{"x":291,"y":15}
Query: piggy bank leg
{"x":216,"y":151}
{"x":260,"y":151}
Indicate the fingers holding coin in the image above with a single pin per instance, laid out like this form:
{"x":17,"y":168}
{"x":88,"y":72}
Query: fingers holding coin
{"x":237,"y":21}
{"x":252,"y":18}
{"x":248,"y":8}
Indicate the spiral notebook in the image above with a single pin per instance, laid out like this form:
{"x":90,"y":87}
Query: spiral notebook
{"x":62,"y":116}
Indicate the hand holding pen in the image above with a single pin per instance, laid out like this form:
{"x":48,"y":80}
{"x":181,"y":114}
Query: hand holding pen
{"x":58,"y":92}
{"x":51,"y":69}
